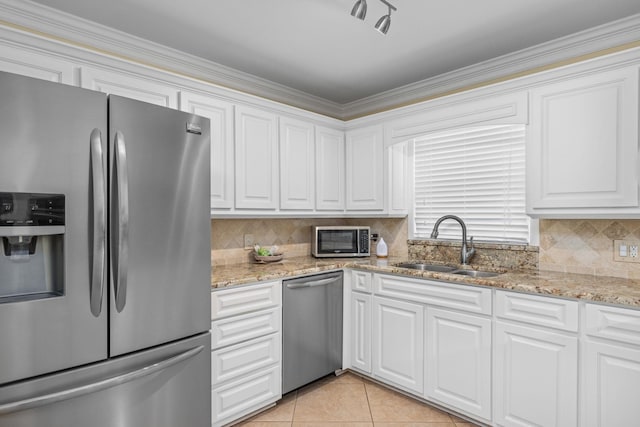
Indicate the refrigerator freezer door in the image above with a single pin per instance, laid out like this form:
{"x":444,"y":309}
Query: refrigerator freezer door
{"x":160,"y":238}
{"x":48,"y":130}
{"x":167,"y":386}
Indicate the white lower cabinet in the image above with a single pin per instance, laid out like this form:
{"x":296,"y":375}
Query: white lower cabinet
{"x":611,"y":367}
{"x":535,"y":376}
{"x":501,"y":358}
{"x":246,"y":350}
{"x":398,"y":342}
{"x":611,"y":388}
{"x":245,"y":395}
{"x":360,"y":337}
{"x":458,"y":361}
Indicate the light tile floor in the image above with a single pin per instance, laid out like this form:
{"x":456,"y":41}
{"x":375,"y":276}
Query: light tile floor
{"x":351,"y":401}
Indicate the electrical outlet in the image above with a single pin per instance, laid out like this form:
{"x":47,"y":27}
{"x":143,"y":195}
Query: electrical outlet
{"x":248,"y":241}
{"x":626,"y":250}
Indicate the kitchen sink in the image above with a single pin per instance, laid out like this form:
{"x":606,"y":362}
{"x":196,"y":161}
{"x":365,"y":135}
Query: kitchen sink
{"x":427,"y":267}
{"x":445,"y":269}
{"x":475,"y":273}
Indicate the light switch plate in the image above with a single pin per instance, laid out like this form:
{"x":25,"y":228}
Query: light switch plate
{"x":626,"y":250}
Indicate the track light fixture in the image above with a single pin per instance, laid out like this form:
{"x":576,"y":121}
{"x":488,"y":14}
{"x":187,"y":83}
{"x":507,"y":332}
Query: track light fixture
{"x":360,"y":11}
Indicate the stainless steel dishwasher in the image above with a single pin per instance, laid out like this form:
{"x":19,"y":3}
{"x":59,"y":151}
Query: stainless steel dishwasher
{"x":311,"y":328}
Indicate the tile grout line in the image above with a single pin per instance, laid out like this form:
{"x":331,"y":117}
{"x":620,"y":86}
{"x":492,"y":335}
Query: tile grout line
{"x":295,"y":405}
{"x":366,"y":393}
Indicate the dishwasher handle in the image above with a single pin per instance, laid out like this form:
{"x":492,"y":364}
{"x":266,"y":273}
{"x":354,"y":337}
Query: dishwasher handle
{"x":313,"y":283}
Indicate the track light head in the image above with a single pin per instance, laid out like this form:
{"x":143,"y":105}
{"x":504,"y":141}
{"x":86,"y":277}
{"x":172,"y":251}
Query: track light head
{"x":383,"y":24}
{"x":359,"y":9}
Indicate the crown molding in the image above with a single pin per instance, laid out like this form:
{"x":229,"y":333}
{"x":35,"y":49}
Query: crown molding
{"x":70,"y":29}
{"x":559,"y":52}
{"x":51,"y":23}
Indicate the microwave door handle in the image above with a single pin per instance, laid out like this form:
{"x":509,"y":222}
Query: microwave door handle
{"x":99,"y":222}
{"x":120,"y":261}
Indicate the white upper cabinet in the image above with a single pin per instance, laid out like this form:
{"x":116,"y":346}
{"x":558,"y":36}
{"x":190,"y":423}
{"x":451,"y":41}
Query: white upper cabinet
{"x":365,"y":169}
{"x":330,"y":169}
{"x":220,"y":114}
{"x":582,"y":146}
{"x":256,"y":158}
{"x":297,"y":163}
{"x":398,"y":178}
{"x":129,"y":86}
{"x":37,"y":65}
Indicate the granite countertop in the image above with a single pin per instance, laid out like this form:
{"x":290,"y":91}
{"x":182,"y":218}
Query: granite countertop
{"x":602,"y":289}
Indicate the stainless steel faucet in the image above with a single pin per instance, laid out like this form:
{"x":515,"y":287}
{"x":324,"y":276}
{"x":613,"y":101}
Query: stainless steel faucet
{"x":465,"y":255}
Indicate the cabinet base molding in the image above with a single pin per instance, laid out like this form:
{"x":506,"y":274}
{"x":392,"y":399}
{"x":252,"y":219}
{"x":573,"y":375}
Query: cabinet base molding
{"x":417,"y":398}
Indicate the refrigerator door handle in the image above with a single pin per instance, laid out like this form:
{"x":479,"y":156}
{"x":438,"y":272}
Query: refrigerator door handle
{"x":99,"y":223}
{"x":47,"y":399}
{"x":120,"y":261}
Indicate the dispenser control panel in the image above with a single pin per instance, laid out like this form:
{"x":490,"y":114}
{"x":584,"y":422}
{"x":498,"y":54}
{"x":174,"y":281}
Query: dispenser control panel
{"x":31,"y":209}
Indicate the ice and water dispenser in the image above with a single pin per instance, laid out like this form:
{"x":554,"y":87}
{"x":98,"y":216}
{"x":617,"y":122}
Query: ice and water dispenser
{"x":32,"y":227}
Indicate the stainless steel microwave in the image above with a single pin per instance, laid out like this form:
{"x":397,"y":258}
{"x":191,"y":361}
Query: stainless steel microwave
{"x":340,"y":241}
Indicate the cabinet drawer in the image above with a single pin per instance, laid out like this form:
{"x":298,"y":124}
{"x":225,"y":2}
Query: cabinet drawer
{"x":233,"y":330}
{"x":469,"y":298}
{"x":240,"y":359}
{"x":539,"y":311}
{"x":613,"y":323}
{"x":245,"y":395}
{"x":229,"y":302}
{"x":361,"y":281}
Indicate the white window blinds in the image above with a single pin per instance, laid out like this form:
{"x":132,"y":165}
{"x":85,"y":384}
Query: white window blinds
{"x":477,"y":174}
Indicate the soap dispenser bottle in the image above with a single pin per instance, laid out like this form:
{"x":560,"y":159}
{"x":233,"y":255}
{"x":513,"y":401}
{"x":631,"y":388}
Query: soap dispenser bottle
{"x":381,"y":249}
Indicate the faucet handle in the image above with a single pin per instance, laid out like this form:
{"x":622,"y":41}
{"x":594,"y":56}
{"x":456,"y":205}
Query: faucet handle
{"x":471,"y":252}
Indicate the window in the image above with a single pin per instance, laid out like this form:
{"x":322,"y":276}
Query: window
{"x":477,"y":174}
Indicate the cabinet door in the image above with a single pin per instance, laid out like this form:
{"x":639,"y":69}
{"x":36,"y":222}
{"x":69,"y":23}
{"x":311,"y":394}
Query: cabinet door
{"x":582,"y":143}
{"x":330,"y":169}
{"x":536,"y":378}
{"x":238,"y":360}
{"x":245,"y":395}
{"x":458,"y":361}
{"x":611,"y":384}
{"x":398,"y":178}
{"x":361,"y":331}
{"x":37,"y":65}
{"x":297,"y":162}
{"x":365,"y":171}
{"x":256,"y":159}
{"x":220,"y":114}
{"x":129,"y":86}
{"x":398,"y":343}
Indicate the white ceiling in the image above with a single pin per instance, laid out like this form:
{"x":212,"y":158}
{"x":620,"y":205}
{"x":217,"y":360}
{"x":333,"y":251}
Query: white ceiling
{"x":317,"y":47}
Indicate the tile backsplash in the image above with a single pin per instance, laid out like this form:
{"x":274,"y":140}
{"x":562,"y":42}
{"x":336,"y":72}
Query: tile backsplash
{"x":586,"y":246}
{"x":573,"y":246}
{"x":293,"y":236}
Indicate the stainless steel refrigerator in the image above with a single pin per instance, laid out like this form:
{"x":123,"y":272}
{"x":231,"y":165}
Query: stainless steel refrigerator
{"x":104,"y":260}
